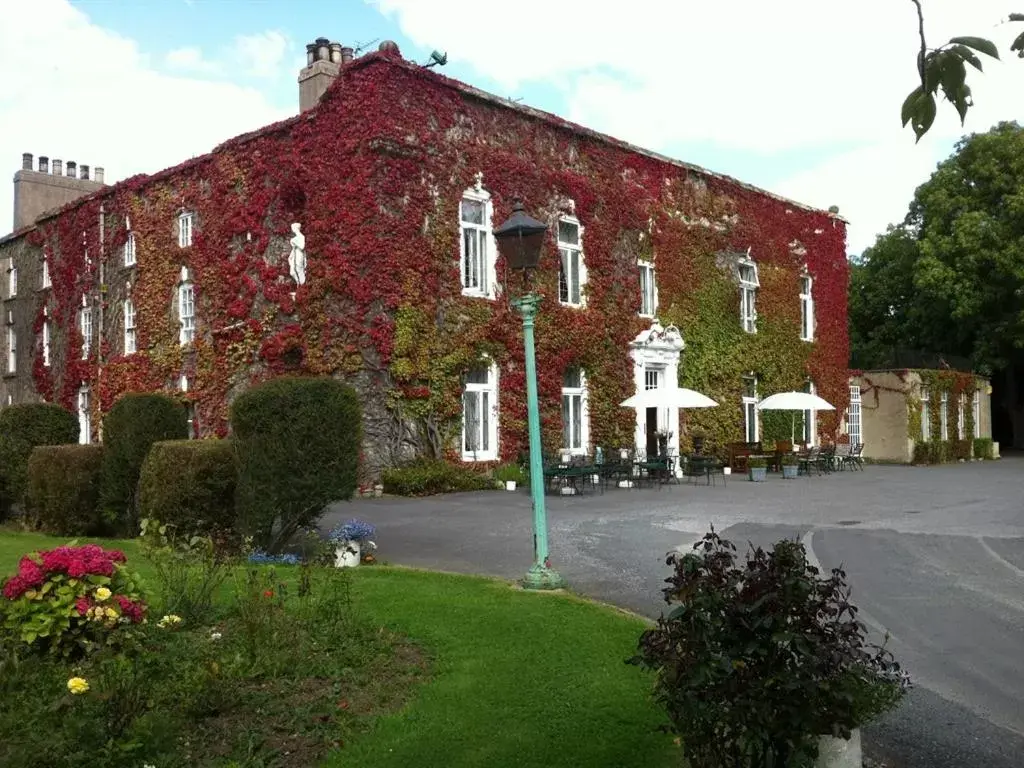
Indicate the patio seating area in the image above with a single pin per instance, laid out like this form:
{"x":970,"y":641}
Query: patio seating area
{"x":626,"y":469}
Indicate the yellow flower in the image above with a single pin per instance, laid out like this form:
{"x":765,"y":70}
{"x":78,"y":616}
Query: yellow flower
{"x":111,"y":613}
{"x":78,"y":685}
{"x":169,"y":621}
{"x":102,"y":594}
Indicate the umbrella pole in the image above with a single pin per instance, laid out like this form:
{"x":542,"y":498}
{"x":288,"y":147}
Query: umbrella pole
{"x":792,"y":427}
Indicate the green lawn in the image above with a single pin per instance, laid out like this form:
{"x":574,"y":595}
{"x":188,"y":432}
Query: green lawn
{"x":517,"y":679}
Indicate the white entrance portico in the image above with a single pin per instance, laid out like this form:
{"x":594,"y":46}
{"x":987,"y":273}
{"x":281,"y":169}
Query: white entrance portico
{"x":655,"y":354}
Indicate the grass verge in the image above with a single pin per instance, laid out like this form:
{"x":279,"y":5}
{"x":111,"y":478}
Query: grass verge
{"x":516,"y":679}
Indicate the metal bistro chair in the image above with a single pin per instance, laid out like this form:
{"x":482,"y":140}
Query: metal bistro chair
{"x":810,"y":459}
{"x":841,"y":455}
{"x":856,"y":459}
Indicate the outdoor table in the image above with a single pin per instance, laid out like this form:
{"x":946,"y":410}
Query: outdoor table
{"x":655,"y":469}
{"x":702,"y":466}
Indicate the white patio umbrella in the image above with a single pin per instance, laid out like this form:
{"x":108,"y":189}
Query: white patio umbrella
{"x":668,"y":398}
{"x":794,"y":401}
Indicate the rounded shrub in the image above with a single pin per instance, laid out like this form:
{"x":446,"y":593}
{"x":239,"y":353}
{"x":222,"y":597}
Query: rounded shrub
{"x":189,"y":484}
{"x":63,"y":491}
{"x":297,"y":443}
{"x":22,"y":428}
{"x":135,"y":422}
{"x":426,"y":477}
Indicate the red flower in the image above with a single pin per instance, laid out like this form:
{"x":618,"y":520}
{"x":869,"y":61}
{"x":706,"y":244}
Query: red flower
{"x":269,"y":593}
{"x":133,"y":609}
{"x":82,"y":606}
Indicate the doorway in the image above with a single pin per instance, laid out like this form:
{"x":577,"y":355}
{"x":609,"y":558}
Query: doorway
{"x":652,"y":432}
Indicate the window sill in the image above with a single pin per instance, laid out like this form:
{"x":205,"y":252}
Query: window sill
{"x":471,"y":294}
{"x":11,"y":375}
{"x":571,"y":305}
{"x":647,"y":317}
{"x":478,"y":457}
{"x":809,"y":341}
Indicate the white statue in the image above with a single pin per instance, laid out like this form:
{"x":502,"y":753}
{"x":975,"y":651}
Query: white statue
{"x":297,"y":258}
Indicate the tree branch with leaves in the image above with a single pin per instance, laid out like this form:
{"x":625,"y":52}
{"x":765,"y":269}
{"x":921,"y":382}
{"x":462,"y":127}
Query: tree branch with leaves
{"x":945,"y":68}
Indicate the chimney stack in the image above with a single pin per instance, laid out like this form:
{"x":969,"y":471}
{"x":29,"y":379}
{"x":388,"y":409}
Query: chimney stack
{"x":98,"y":174}
{"x":323,"y":63}
{"x":45,"y":188}
{"x":347,"y":54}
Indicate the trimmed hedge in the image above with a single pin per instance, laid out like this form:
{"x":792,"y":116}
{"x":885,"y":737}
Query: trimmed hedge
{"x":22,"y":428}
{"x":297,"y":443}
{"x":135,"y":422}
{"x":190,"y":484}
{"x":63,"y":493}
{"x":961,"y":449}
{"x":427,"y":477}
{"x":983,"y":448}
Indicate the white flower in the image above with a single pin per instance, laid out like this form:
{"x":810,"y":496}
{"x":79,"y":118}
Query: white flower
{"x":216,"y":636}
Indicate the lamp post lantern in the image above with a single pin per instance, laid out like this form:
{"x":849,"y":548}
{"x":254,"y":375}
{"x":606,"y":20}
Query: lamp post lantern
{"x":519,"y":241}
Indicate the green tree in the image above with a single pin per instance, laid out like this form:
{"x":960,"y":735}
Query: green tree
{"x":951,"y":278}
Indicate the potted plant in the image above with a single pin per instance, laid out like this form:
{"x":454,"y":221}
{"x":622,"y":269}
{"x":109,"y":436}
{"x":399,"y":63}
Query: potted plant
{"x":799,"y":677}
{"x":350,"y":539}
{"x":758,"y":469}
{"x":509,"y":476}
{"x":663,"y":437}
{"x":698,"y":443}
{"x":790,"y":466}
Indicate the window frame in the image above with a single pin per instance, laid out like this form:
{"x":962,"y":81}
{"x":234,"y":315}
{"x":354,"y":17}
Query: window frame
{"x":926,"y":416}
{"x":811,"y":419}
{"x":944,"y":416}
{"x":648,"y":292}
{"x":84,"y":415}
{"x":186,"y":224}
{"x":961,"y":417}
{"x":186,"y":322}
{"x":129,"y":250}
{"x":85,"y":328}
{"x":749,"y":405}
{"x":806,"y":307}
{"x":12,"y":349}
{"x":976,"y":406}
{"x":131,"y":340}
{"x":568,"y":428}
{"x":490,"y":388}
{"x":855,"y":403}
{"x":565,"y":251}
{"x":46,"y":283}
{"x":486,"y":265}
{"x":46,"y":337}
{"x":12,"y":279}
{"x":748,"y":294}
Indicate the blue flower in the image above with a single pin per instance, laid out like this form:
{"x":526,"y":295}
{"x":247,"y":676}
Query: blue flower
{"x":353,"y":530}
{"x":260,"y":557}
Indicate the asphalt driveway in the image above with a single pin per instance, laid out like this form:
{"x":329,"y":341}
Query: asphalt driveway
{"x":935,"y":556}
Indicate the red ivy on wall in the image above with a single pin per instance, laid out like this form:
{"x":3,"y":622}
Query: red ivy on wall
{"x":375,"y":174}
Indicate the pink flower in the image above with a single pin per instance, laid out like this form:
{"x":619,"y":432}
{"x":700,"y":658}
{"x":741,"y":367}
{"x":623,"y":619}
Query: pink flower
{"x":133,"y":609}
{"x":82,"y":606}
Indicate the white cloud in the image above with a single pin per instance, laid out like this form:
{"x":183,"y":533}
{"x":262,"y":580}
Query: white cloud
{"x":190,"y":59}
{"x":72,"y":90}
{"x":261,"y":54}
{"x":746,"y":75}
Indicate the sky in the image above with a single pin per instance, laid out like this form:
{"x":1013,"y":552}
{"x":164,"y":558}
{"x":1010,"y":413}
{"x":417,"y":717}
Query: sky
{"x":800,"y":97}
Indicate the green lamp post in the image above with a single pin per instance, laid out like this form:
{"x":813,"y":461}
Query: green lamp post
{"x":519,"y":241}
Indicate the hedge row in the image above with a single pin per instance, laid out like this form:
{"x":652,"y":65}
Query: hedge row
{"x":425,"y":478}
{"x":22,"y":428}
{"x":190,"y":484}
{"x":63,"y":491}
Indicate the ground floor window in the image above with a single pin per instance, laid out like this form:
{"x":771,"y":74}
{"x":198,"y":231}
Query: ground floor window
{"x":926,"y":415}
{"x":479,"y":414}
{"x":84,"y":417}
{"x":574,"y":414}
{"x":853,"y":422}
{"x":750,"y":425}
{"x":977,"y":413}
{"x":810,"y":435}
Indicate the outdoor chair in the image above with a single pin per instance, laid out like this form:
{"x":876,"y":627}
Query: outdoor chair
{"x":707,"y":467}
{"x":855,"y":460}
{"x":842,"y":454}
{"x":809,"y":460}
{"x":825,"y":458}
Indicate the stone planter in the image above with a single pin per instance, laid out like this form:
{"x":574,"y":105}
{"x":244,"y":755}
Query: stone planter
{"x":839,"y":753}
{"x":758,"y":474}
{"x":510,"y":485}
{"x":789,"y":471}
{"x":347,"y":554}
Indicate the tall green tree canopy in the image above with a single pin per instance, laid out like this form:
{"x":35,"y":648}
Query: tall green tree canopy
{"x":950,"y":279}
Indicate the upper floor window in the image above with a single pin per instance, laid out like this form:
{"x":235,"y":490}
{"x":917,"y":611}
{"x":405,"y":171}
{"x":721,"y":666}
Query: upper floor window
{"x":806,"y":308}
{"x":186,"y":309}
{"x":46,"y":337}
{"x":476,"y":250}
{"x":574,"y":411}
{"x":129,"y":250}
{"x":46,"y":272}
{"x":130,"y":346}
{"x":749,"y":283}
{"x":12,"y":349}
{"x":12,"y":280}
{"x":571,"y":269}
{"x":185,"y":229}
{"x":479,"y":414}
{"x":648,"y":290}
{"x":85,"y":326}
{"x":926,"y":415}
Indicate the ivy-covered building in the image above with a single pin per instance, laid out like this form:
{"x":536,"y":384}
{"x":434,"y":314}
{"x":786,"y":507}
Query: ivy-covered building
{"x":921,"y":416}
{"x":656,"y":273}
